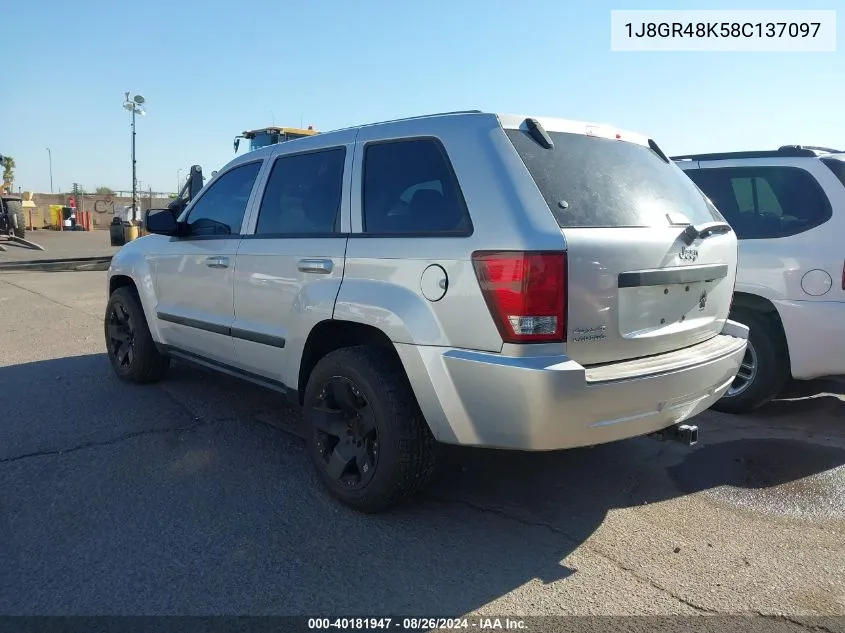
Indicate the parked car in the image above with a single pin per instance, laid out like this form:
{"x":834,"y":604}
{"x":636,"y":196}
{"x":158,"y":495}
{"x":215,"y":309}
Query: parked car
{"x":463,"y":278}
{"x":787,"y":207}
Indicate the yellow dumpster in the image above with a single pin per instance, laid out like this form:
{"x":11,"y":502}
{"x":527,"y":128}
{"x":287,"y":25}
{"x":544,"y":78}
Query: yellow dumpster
{"x":56,"y":215}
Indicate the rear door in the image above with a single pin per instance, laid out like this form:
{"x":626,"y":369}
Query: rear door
{"x":291,"y":262}
{"x":636,"y":287}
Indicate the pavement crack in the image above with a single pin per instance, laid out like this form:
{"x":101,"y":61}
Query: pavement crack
{"x":116,"y":440}
{"x":579,"y":543}
{"x":796,"y":621}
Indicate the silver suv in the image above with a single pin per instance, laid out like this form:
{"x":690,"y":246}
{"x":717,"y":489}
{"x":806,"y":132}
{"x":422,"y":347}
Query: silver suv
{"x":463,"y":278}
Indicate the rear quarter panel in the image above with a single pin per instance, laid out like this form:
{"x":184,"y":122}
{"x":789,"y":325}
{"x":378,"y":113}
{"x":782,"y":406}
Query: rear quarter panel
{"x":382,"y":280}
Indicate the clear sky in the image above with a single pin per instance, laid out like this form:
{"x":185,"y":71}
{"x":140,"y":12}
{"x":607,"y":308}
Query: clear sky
{"x":210,"y":70}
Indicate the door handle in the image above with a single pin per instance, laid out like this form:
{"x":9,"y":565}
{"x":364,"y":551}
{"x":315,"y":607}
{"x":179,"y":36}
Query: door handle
{"x":320,"y":266}
{"x":217,"y":262}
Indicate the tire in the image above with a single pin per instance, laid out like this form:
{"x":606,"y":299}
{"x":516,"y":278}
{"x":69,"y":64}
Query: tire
{"x":129,"y":344}
{"x":768,"y":354}
{"x":395,"y":456}
{"x":16,"y":218}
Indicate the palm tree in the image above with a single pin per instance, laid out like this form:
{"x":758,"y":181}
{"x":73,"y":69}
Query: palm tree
{"x":8,"y":172}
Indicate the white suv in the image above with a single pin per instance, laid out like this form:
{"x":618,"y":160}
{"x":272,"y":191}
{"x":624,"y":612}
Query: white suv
{"x":787,"y":207}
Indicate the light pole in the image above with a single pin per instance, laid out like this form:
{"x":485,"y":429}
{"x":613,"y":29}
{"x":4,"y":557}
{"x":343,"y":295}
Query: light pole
{"x":50,"y":158}
{"x":178,"y":181}
{"x":134,"y":106}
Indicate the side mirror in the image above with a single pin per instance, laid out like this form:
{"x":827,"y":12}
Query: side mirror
{"x":161,"y":222}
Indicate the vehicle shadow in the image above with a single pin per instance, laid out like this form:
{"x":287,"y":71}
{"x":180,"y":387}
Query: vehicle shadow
{"x":824,"y":396}
{"x":187,"y":497}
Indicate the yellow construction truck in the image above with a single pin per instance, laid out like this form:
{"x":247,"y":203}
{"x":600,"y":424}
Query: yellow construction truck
{"x":272,"y":135}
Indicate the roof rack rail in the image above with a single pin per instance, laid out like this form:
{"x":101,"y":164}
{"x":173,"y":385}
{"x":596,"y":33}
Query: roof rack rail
{"x":407,"y":118}
{"x":786,"y":151}
{"x":817,"y":148}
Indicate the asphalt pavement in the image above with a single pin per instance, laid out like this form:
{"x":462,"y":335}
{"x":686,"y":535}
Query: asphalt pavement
{"x":58,"y":245}
{"x":189,"y":497}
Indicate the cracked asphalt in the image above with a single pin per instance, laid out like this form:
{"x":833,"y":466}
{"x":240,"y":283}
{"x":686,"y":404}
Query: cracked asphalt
{"x":190,"y":497}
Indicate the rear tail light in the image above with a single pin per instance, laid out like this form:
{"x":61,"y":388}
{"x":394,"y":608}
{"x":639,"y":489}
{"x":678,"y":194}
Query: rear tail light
{"x":525,"y":293}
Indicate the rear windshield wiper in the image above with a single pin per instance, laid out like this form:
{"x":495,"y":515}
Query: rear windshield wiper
{"x":703,"y":231}
{"x":539,"y":134}
{"x":656,"y":149}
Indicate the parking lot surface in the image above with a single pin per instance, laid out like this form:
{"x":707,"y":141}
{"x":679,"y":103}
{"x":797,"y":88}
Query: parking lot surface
{"x":59,"y":244}
{"x":189,"y":497}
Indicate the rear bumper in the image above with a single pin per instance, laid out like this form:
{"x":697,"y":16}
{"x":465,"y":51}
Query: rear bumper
{"x":548,"y":403}
{"x":815,"y":334}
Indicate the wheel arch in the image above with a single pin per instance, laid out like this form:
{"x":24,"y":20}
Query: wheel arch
{"x":121,"y":281}
{"x":762,"y":306}
{"x":334,"y":334}
{"x":130,"y":269}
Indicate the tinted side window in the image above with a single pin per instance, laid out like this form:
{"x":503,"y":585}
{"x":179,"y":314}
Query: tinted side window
{"x":410,"y":187}
{"x":303,"y":194}
{"x":765,"y":202}
{"x":837,"y":167}
{"x":220,"y":210}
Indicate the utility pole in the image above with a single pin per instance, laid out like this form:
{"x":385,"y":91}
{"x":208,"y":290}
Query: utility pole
{"x":134,"y":105}
{"x":134,"y":183}
{"x":50,"y":158}
{"x":76,"y":210}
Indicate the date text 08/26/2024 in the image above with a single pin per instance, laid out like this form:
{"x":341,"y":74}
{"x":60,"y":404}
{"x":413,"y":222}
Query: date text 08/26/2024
{"x":415,"y":624}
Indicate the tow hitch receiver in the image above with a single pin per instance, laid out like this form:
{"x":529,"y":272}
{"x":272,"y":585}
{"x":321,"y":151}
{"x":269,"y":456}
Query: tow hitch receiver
{"x":683,"y":433}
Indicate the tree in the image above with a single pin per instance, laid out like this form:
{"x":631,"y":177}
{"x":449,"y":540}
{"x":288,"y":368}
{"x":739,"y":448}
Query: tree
{"x":8,"y":172}
{"x":105,"y":191}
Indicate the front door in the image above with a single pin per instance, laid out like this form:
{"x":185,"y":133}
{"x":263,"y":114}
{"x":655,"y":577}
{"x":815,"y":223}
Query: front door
{"x":194,"y":273}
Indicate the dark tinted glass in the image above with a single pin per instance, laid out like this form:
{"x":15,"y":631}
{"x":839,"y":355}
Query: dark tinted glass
{"x":220,"y":210}
{"x":303,"y":194}
{"x":410,"y":187}
{"x":589,"y":181}
{"x":837,"y":167}
{"x":765,"y":202}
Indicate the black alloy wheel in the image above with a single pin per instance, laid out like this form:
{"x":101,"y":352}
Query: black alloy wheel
{"x":346,"y":433}
{"x":121,"y":335}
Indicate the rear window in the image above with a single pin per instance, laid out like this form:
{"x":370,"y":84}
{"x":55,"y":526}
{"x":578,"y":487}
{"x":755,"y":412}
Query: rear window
{"x":589,"y":181}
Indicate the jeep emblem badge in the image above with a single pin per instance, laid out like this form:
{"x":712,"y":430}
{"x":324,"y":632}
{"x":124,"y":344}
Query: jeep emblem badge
{"x":688,"y":254}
